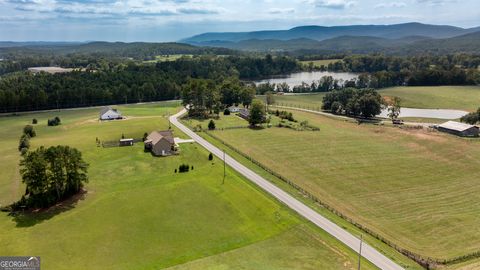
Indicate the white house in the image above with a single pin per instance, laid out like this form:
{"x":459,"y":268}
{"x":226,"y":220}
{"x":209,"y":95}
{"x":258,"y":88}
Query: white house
{"x":234,"y":109}
{"x":107,"y":113}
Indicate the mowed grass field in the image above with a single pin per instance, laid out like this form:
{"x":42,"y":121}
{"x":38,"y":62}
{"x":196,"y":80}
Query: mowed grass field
{"x":418,"y":189}
{"x":319,"y":63}
{"x":139,"y":214}
{"x":432,"y":97}
{"x":437,"y":97}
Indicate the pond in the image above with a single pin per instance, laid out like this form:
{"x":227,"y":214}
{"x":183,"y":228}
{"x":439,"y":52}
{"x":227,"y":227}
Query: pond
{"x":428,"y":113}
{"x":295,"y":79}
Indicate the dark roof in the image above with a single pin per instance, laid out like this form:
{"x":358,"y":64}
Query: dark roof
{"x":156,"y":136}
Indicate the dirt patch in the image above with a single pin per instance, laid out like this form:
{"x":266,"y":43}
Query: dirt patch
{"x":388,"y":99}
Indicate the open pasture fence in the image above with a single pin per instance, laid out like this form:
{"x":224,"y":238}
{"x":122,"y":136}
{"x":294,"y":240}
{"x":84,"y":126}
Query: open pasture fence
{"x":109,"y":144}
{"x":425,"y":261}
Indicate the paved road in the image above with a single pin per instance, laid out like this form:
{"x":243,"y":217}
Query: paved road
{"x":345,"y":237}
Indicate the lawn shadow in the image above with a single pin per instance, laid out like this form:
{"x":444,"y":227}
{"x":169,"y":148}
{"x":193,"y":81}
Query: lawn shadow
{"x":29,"y":218}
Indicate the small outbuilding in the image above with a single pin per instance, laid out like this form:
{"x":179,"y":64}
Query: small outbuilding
{"x":108,"y":113}
{"x":161,"y":143}
{"x":459,"y":129}
{"x":126,"y":142}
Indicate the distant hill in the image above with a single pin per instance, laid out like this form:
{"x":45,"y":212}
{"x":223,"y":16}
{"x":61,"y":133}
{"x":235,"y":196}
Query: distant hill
{"x":320,"y":33}
{"x":136,"y":50}
{"x":407,"y":45}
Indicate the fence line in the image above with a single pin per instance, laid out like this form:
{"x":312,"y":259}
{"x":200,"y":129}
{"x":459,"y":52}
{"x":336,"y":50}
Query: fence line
{"x":424,"y":261}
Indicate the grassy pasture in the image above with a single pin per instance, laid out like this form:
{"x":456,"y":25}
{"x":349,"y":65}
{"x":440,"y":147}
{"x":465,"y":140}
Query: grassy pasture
{"x":416,"y":188}
{"x":434,"y":97}
{"x":437,"y":97}
{"x":139,"y":214}
{"x":168,"y":58}
{"x":319,"y":63}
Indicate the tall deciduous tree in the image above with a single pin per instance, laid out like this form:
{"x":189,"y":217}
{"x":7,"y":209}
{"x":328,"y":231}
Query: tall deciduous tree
{"x":257,"y":112}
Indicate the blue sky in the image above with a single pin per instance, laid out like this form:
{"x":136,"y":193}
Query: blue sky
{"x":171,"y":20}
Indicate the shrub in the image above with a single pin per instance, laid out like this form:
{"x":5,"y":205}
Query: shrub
{"x":175,"y":170}
{"x":191,"y":168}
{"x":28,"y":130}
{"x":54,"y":122}
{"x":210,"y":156}
{"x":145,"y":135}
{"x":183,"y":168}
{"x":24,"y":142}
{"x":34,"y":121}
{"x":226,"y":112}
{"x":211,"y":125}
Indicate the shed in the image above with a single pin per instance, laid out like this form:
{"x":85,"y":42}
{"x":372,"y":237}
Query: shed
{"x":126,"y":142}
{"x":108,"y":113}
{"x":459,"y":129}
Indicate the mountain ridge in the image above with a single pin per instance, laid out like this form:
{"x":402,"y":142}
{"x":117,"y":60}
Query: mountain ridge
{"x":320,"y":33}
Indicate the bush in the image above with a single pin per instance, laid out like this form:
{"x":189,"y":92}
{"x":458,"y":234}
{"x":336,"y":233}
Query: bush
{"x":54,"y":122}
{"x":183,"y":168}
{"x":145,"y":135}
{"x":191,"y":168}
{"x":211,"y":125}
{"x":24,"y":142}
{"x":28,"y":130}
{"x":210,"y":156}
{"x":175,"y":170}
{"x":226,"y":112}
{"x":34,"y":121}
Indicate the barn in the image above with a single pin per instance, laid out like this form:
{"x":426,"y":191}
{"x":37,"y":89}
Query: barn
{"x":459,"y":129}
{"x":108,"y":113}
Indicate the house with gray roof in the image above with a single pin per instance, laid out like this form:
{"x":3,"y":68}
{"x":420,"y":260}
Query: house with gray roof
{"x":459,"y":129}
{"x":108,"y":113}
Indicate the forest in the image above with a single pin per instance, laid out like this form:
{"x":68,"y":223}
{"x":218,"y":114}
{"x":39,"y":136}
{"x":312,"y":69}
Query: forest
{"x":130,"y":82}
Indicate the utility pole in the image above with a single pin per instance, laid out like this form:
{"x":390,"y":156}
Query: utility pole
{"x":360,"y":251}
{"x":224,"y":167}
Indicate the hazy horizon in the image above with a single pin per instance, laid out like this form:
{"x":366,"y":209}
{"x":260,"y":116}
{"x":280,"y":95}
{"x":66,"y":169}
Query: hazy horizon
{"x":172,"y":20}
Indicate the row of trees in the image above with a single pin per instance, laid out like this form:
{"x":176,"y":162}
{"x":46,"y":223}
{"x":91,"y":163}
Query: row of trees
{"x":383,"y":71}
{"x":355,"y":102}
{"x":204,"y":97}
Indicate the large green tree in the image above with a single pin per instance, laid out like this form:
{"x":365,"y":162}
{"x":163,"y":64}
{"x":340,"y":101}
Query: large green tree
{"x":257,"y":112}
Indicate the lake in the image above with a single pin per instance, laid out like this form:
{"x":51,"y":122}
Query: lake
{"x":295,"y":79}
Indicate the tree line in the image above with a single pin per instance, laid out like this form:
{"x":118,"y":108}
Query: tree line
{"x":380,"y":71}
{"x":130,"y":82}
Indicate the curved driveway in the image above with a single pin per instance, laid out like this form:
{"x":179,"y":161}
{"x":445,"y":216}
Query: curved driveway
{"x":369,"y":253}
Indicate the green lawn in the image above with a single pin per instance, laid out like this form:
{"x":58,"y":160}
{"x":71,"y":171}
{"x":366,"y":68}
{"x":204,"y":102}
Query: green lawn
{"x":304,"y":101}
{"x":139,"y":214}
{"x":437,"y":97}
{"x":416,"y":188}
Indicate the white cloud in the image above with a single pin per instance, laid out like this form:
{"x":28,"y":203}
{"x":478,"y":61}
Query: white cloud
{"x":281,"y":10}
{"x":391,"y":5}
{"x":334,"y":4}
